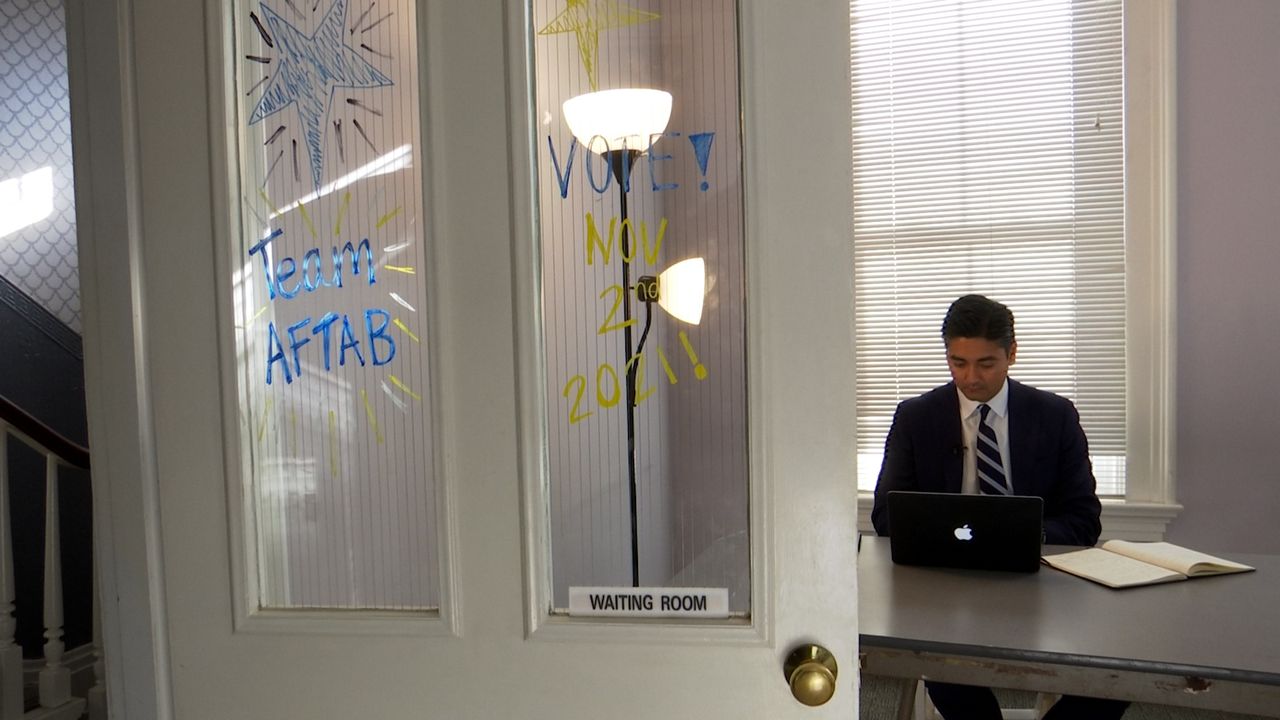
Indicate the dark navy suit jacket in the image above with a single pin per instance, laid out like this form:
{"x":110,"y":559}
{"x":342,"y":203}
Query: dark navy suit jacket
{"x":1048,"y":455}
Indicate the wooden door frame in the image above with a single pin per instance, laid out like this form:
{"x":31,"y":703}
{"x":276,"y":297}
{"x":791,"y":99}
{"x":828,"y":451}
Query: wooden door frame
{"x":126,"y":518}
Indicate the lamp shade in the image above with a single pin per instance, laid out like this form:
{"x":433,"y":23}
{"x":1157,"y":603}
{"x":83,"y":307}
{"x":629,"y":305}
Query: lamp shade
{"x":620,"y":119}
{"x":682,"y":289}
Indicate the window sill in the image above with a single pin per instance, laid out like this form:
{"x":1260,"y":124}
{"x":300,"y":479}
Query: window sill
{"x":1120,"y":519}
{"x":1136,"y":520}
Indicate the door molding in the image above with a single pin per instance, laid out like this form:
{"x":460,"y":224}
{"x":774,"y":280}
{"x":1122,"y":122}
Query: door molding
{"x":102,"y":74}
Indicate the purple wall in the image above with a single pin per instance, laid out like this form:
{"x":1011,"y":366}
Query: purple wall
{"x":1228,"y":322}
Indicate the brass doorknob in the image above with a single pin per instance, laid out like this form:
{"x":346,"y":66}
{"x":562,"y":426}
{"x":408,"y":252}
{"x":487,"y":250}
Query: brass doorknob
{"x":811,"y":672}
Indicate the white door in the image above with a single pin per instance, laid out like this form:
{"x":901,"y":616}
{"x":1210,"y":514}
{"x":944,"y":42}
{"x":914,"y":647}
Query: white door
{"x":220,"y":604}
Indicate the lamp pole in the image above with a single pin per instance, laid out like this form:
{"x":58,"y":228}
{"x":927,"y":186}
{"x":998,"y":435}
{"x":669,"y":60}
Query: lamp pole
{"x":621,"y":162}
{"x":632,"y":117}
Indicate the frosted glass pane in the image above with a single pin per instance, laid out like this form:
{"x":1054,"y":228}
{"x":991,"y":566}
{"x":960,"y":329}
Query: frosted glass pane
{"x":330,"y":306}
{"x":683,"y":200}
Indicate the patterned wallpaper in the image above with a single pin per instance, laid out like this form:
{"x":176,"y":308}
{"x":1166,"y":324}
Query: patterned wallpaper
{"x":37,"y":237}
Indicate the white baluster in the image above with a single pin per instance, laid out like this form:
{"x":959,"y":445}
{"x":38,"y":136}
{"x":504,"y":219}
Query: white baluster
{"x":10,"y":652}
{"x":97,"y":695}
{"x":55,"y":678}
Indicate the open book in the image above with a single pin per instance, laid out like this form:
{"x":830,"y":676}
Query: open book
{"x":1121,"y":564}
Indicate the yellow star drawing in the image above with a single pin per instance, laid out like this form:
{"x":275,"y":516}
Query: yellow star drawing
{"x":586,"y":18}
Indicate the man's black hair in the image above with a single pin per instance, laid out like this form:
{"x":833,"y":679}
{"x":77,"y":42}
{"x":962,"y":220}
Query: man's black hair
{"x":976,"y":316}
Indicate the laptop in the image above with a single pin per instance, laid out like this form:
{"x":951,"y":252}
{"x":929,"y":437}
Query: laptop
{"x":977,"y":532}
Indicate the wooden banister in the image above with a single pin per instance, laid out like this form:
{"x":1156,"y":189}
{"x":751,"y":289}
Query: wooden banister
{"x":47,"y":438}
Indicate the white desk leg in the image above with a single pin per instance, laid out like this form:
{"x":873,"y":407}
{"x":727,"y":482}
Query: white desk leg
{"x":907,"y":700}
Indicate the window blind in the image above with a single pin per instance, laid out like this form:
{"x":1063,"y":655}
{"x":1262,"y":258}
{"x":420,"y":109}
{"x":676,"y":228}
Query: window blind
{"x":988,"y":158}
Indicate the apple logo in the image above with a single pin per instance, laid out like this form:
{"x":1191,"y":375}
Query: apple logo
{"x":964,"y":533}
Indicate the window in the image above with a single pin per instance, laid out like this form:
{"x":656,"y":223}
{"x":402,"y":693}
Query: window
{"x":1019,"y":150}
{"x":342,"y":501}
{"x":647,"y":454}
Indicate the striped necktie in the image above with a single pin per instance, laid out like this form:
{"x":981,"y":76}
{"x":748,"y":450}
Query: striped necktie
{"x":991,"y":478}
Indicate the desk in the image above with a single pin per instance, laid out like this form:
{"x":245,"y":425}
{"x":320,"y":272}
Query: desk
{"x":1211,"y":643}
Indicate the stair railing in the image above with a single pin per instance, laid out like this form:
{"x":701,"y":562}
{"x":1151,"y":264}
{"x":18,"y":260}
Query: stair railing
{"x":54,"y":678}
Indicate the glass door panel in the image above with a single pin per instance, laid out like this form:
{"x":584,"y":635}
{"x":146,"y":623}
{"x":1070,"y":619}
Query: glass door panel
{"x":330,"y":307}
{"x":641,"y":212}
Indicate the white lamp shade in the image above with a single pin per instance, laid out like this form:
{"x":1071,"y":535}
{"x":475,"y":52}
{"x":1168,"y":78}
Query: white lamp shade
{"x":681,"y":289}
{"x":621,"y":119}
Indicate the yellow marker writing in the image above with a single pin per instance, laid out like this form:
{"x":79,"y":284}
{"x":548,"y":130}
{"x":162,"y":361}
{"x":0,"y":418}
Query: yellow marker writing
{"x":399,"y":268}
{"x":699,"y":370}
{"x":306,"y":218}
{"x":404,"y":329}
{"x":275,"y":211}
{"x":333,"y":443}
{"x":266,"y":413}
{"x":666,"y":366}
{"x":342,"y":211}
{"x":387,"y":218}
{"x":586,"y":20}
{"x":396,"y":381}
{"x":373,"y":420}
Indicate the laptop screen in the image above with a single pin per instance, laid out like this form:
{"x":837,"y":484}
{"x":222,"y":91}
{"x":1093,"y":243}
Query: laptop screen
{"x":981,"y":532}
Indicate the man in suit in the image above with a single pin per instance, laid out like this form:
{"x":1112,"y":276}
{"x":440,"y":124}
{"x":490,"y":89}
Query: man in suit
{"x":1031,"y":443}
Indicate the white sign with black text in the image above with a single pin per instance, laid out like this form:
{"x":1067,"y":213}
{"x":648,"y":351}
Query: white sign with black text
{"x":649,"y":602}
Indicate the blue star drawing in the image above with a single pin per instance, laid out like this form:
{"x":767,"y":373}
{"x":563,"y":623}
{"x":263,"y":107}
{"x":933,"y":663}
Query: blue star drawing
{"x":309,"y":70}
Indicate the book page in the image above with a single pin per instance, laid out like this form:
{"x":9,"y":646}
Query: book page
{"x":1175,"y":557}
{"x":1110,"y":569}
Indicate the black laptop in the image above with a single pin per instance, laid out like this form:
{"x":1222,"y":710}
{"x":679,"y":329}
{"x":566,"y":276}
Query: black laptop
{"x":979,"y":532}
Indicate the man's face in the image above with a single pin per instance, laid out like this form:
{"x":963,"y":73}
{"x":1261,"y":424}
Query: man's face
{"x":979,"y":366}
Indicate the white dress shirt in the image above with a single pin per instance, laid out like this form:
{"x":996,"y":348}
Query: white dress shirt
{"x":998,"y":419}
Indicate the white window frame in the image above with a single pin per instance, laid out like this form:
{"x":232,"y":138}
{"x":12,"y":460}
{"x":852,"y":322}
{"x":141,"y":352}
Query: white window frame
{"x":1150,"y":276}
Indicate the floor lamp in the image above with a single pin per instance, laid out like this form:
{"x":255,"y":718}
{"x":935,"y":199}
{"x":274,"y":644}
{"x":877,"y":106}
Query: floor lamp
{"x":620,"y":125}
